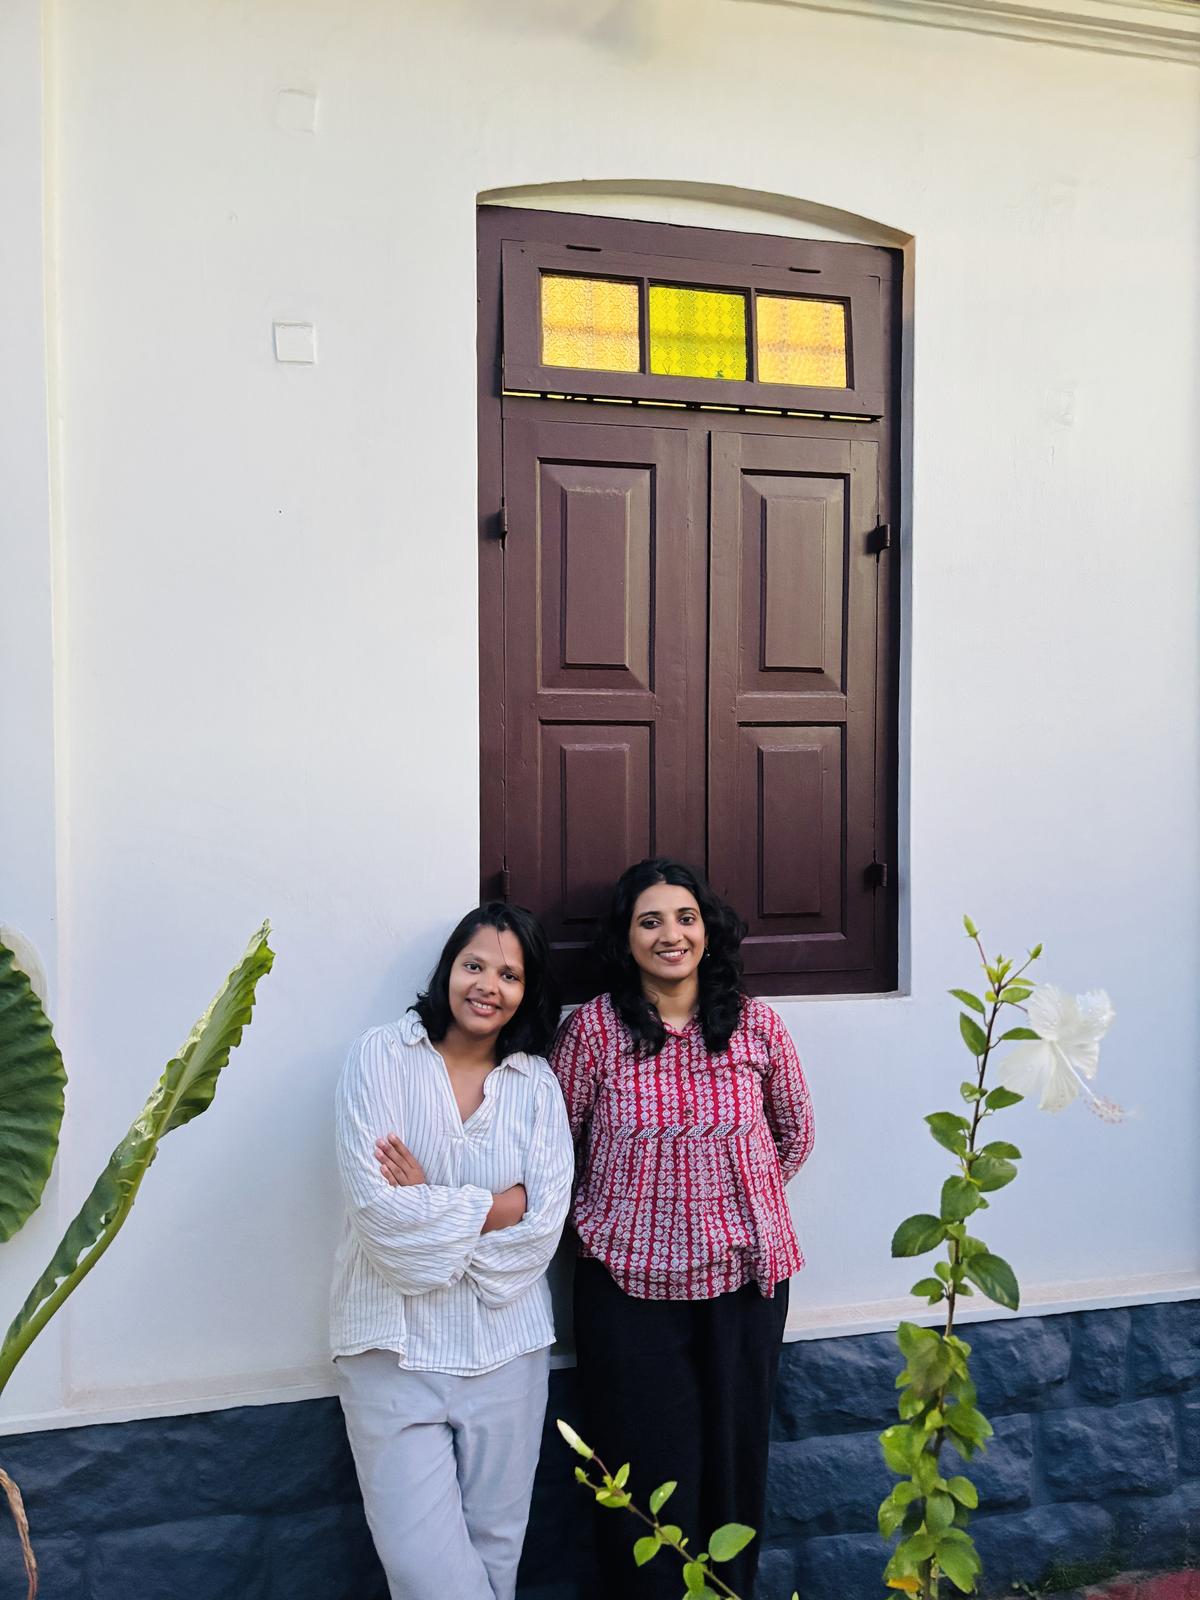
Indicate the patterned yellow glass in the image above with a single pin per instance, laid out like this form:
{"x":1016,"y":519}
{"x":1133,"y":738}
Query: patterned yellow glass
{"x":590,"y":322}
{"x":801,"y":341}
{"x":697,"y":333}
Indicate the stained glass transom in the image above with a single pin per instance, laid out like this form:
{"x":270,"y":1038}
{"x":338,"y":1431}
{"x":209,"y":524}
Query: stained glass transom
{"x":697,"y":333}
{"x":590,"y":322}
{"x":801,"y":341}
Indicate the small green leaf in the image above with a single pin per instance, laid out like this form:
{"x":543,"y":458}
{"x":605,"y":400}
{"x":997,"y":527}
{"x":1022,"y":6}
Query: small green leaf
{"x":959,"y":1198}
{"x":901,"y":1447}
{"x":645,"y":1549}
{"x":672,"y":1533}
{"x":1018,"y":1033}
{"x":942,"y":1268}
{"x":729,"y":1540}
{"x":693,"y":1576}
{"x":939,"y":1512}
{"x":968,"y":1424}
{"x":960,"y":1565}
{"x":950,"y":1130}
{"x":995,"y":1277}
{"x":1035,"y":952}
{"x":581,"y":1476}
{"x":964,"y":1491}
{"x":970,"y":1091}
{"x":998,"y":1099}
{"x":917,"y":1234}
{"x":1001,"y":1147}
{"x":973,"y":1035}
{"x":614,"y":1499}
{"x":621,"y":1476}
{"x":992,"y":1172}
{"x":1014,"y":993}
{"x":972,"y":930}
{"x":969,"y":999}
{"x":931,"y":1289}
{"x":660,"y":1496}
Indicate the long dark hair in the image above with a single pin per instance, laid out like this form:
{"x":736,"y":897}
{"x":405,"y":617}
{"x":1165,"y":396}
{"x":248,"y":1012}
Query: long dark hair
{"x":720,"y":971}
{"x":532,"y":1028}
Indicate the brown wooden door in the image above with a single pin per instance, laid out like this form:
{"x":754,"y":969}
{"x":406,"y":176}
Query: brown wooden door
{"x":604,"y":650}
{"x":793,"y":630}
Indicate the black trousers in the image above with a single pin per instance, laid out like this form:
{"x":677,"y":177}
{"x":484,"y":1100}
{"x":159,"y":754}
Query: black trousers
{"x":681,"y":1389}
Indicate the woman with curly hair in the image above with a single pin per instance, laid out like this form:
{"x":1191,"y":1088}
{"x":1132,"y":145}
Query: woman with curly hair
{"x":693,"y":1113}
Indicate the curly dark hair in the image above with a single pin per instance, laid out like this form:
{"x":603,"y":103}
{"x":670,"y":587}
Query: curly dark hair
{"x":721,"y":992}
{"x":532,"y":1028}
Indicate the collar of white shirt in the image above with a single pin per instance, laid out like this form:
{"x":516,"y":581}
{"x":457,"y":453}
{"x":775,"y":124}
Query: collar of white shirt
{"x":412,"y":1030}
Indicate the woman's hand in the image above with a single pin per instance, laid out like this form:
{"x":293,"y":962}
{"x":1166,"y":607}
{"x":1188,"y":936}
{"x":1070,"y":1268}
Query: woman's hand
{"x":396,"y":1161}
{"x":507,"y":1207}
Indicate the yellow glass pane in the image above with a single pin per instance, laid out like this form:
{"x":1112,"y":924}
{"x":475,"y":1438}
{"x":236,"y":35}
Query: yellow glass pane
{"x":697,"y":333}
{"x":801,"y":341}
{"x":590,"y":322}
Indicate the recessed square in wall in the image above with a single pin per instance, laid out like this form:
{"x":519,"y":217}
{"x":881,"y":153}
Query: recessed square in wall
{"x":296,"y":341}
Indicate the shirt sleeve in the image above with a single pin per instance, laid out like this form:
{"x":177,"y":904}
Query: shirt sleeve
{"x":419,"y":1236}
{"x":786,"y":1101}
{"x":574,"y":1062}
{"x":506,"y":1262}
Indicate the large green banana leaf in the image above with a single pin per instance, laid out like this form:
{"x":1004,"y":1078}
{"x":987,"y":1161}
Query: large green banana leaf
{"x":185,"y":1089}
{"x":31,"y":1097}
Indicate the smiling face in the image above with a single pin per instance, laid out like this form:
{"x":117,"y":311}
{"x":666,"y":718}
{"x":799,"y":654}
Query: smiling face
{"x":487,"y":982}
{"x":666,"y":936}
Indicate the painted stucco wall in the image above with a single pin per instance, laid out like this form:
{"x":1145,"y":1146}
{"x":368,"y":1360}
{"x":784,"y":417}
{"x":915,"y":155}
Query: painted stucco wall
{"x":261,"y":640}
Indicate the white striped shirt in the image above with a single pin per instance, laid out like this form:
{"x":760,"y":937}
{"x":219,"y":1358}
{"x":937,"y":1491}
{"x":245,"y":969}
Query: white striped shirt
{"x":414,"y":1273}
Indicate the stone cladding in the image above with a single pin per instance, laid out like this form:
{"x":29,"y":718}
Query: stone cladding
{"x":1094,"y":1471}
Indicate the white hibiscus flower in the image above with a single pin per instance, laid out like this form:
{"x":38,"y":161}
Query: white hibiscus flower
{"x":1060,"y":1064}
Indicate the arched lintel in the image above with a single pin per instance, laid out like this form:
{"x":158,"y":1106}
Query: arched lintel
{"x":702,"y":205}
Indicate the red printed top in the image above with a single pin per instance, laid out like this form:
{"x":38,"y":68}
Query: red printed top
{"x":681,"y":1189}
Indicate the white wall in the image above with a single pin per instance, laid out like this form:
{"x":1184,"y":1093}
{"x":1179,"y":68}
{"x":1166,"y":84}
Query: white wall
{"x":266,"y":659}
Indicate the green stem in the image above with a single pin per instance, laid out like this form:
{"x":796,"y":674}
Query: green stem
{"x":15,"y":1347}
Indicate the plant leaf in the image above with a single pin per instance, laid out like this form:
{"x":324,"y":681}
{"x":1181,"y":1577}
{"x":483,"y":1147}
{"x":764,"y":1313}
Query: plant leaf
{"x":1018,"y":1033}
{"x":185,"y":1089}
{"x":959,"y":1198}
{"x":995,"y":1277}
{"x":969,"y":999}
{"x":964,"y":1491}
{"x":729,"y":1540}
{"x":1001,"y":1147}
{"x":645,"y":1549}
{"x":32,"y":1078}
{"x":950,"y":1130}
{"x":998,"y":1099}
{"x":931,"y":1289}
{"x":992,"y":1172}
{"x":973,"y":1035}
{"x":960,"y":1564}
{"x":693,"y":1576}
{"x":660,"y":1496}
{"x":917,"y":1234}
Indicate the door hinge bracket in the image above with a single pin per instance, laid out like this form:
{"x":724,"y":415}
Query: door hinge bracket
{"x":502,"y":522}
{"x":877,"y":875}
{"x":879,"y":539}
{"x":505,"y":882}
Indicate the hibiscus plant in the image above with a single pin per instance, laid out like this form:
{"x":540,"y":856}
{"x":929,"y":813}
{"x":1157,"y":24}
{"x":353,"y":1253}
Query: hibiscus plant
{"x":1055,"y":1053}
{"x":32,"y":1080}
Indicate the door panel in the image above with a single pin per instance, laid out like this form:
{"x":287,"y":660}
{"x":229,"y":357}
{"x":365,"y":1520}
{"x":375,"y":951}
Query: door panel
{"x":605,"y":663}
{"x":792,"y":713}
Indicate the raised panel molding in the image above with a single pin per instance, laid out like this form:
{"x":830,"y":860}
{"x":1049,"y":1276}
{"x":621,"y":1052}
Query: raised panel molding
{"x":1167,"y":30}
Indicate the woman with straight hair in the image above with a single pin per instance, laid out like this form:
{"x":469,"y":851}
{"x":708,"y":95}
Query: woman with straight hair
{"x":456,"y":1164}
{"x":693,"y":1113}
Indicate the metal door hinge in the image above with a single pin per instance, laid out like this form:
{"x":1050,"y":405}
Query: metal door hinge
{"x":505,"y":883}
{"x":502,"y":522}
{"x":877,"y":875}
{"x":879,"y":539}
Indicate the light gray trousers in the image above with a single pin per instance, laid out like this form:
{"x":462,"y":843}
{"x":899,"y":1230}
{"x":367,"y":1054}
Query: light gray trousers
{"x":446,"y":1468}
